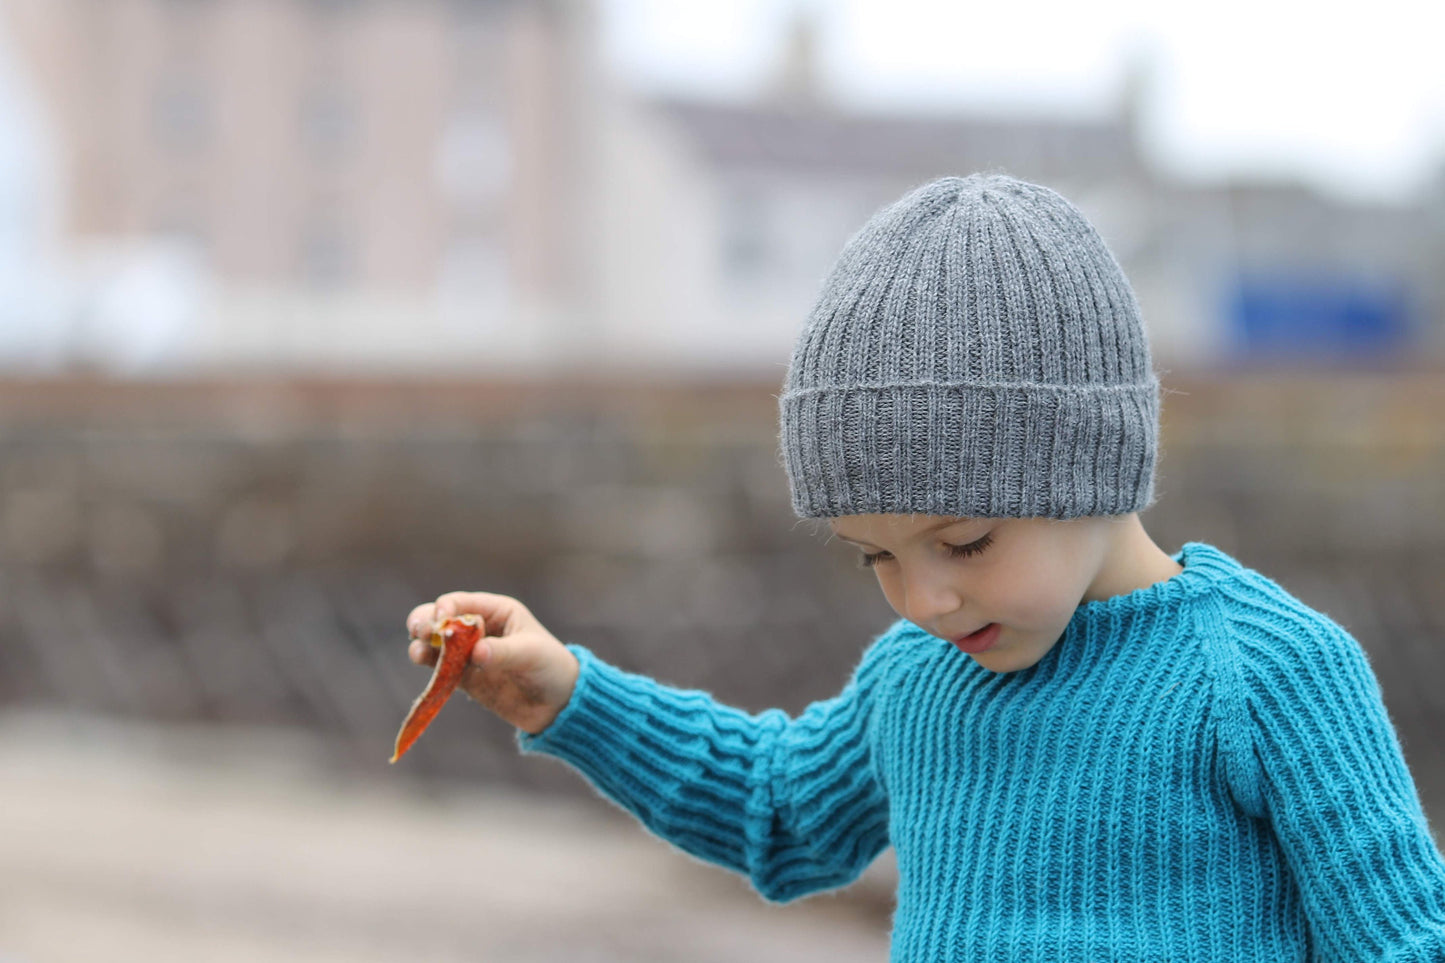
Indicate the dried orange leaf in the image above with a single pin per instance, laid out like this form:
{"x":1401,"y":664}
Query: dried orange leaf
{"x":456,"y":638}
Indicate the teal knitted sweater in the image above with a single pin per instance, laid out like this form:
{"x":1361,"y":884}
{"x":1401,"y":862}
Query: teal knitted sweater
{"x":1199,"y":770}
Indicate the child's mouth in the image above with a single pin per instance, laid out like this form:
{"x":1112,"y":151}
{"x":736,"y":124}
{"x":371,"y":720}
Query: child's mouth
{"x":980,"y":641}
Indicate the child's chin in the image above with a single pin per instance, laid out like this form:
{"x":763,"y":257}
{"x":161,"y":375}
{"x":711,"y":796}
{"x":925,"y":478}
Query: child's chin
{"x":1004,"y":658}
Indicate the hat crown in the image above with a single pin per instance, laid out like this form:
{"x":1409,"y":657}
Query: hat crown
{"x":975,"y":350}
{"x":980,"y":279}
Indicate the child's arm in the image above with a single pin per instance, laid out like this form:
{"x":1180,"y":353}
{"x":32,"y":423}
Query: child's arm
{"x":794,"y":804}
{"x":1330,"y":774}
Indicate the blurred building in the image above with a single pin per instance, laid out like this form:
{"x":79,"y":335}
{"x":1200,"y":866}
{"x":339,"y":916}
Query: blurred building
{"x":1244,"y":271}
{"x":776,"y":186}
{"x":752,"y":201}
{"x":394,"y":185}
{"x":28,"y":309}
{"x":364,"y":182}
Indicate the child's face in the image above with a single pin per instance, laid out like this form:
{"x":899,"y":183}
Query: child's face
{"x":953,"y":576}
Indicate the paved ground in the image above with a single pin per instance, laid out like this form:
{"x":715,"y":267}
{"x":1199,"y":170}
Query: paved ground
{"x":140,"y":844}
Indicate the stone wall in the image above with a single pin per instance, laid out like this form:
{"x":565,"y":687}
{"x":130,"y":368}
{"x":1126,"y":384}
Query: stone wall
{"x":246,"y":553}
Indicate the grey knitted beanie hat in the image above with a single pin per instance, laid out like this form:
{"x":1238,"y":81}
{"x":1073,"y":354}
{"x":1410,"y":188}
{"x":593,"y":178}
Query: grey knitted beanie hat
{"x":975,"y":351}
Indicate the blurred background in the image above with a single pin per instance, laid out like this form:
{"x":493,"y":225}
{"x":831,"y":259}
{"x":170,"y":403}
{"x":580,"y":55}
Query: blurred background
{"x":311,"y":310}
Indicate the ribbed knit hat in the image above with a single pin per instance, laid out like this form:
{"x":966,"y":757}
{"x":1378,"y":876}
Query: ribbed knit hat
{"x":975,"y":351}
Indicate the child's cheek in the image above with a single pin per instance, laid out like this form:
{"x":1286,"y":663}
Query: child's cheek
{"x":1034,"y":593}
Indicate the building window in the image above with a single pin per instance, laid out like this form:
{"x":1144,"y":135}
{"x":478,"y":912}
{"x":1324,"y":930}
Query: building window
{"x":474,"y":160}
{"x":180,"y":225}
{"x":328,"y":256}
{"x":330,"y":122}
{"x":473,"y":286}
{"x":181,"y":111}
{"x":746,"y":235}
{"x":336,"y":8}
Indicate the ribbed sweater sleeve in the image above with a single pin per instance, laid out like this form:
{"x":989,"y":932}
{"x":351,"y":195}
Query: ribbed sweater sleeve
{"x":1333,"y":781}
{"x":795,"y":804}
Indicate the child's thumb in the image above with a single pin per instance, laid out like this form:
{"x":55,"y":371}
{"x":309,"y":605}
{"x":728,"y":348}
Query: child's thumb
{"x":496,"y":652}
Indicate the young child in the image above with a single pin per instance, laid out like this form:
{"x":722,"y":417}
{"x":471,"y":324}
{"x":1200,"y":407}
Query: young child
{"x":1079,"y":746}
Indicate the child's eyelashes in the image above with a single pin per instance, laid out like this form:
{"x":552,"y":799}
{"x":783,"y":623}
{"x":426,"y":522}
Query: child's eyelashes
{"x":954,"y":551}
{"x":972,"y":548}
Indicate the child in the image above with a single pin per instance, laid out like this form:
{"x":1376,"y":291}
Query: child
{"x":1079,"y":746}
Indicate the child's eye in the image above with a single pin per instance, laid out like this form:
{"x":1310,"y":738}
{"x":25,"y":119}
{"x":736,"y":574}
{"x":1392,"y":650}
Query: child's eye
{"x":954,"y":551}
{"x":972,"y":548}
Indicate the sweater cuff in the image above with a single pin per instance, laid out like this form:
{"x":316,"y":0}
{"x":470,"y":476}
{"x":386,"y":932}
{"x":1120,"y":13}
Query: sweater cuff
{"x":576,"y":715}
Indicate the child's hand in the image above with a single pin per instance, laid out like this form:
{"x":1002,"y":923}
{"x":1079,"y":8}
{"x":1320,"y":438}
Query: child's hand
{"x":518,"y":669}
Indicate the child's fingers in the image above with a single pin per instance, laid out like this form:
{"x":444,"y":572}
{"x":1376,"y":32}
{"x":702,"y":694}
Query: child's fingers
{"x":419,"y":621}
{"x":495,"y":610}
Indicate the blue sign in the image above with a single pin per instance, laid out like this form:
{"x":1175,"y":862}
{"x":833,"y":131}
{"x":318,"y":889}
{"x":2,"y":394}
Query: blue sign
{"x":1317,"y":314}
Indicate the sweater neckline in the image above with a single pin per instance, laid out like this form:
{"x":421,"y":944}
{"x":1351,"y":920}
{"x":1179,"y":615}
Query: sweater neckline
{"x":1095,"y":623}
{"x":1204,"y":567}
{"x":1096,"y":626}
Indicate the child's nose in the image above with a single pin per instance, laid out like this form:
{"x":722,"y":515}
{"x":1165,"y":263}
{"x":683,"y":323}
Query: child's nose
{"x":929,"y":598}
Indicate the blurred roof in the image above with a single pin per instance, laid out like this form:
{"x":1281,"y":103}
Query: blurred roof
{"x":763,"y":135}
